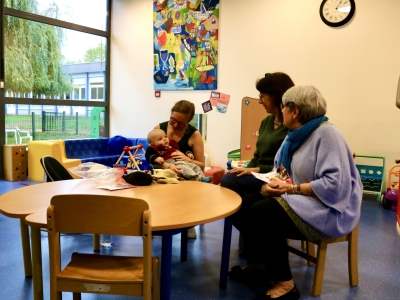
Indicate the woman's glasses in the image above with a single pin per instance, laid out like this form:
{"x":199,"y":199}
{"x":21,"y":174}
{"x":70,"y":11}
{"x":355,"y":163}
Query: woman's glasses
{"x":173,"y":121}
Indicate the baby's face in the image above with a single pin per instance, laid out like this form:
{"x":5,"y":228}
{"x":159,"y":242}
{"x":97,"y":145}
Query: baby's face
{"x":161,"y":140}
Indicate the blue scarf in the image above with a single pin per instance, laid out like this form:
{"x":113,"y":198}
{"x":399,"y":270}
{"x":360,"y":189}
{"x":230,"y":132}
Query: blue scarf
{"x":295,"y":139}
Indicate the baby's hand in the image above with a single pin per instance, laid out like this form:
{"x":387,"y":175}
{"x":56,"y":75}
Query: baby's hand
{"x":159,"y":160}
{"x":190,"y":155}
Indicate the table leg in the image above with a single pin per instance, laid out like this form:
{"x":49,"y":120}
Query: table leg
{"x":166,"y":262}
{"x":96,"y":242}
{"x":26,"y":248}
{"x":226,"y":251}
{"x":37,"y":263}
{"x":184,"y":242}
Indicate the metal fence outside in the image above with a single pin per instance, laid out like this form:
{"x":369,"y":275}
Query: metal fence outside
{"x":49,"y":126}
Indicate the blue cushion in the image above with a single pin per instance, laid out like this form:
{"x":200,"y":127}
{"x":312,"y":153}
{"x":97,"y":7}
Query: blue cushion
{"x":117,"y":143}
{"x":84,"y":148}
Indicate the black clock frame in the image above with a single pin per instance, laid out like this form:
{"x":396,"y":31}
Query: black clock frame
{"x":341,"y":23}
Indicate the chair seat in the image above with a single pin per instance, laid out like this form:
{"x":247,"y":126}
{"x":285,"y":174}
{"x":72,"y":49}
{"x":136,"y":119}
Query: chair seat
{"x":87,"y":267}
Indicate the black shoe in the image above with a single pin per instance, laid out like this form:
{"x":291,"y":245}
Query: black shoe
{"x":257,"y":277}
{"x":293,"y":294}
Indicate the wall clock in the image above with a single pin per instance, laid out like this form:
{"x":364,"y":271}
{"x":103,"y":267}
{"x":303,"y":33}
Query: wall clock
{"x":336,"y":13}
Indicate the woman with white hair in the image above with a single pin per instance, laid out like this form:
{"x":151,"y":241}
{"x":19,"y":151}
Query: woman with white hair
{"x":322,"y":200}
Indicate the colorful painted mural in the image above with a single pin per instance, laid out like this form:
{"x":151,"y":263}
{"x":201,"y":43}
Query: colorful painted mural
{"x":185,"y":44}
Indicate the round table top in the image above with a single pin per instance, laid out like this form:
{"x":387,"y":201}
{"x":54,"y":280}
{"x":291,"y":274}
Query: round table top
{"x":173,"y":206}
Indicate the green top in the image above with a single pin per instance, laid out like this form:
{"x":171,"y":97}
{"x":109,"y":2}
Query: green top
{"x":268,"y":143}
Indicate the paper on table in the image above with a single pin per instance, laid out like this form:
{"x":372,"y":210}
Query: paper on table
{"x":116,"y":186}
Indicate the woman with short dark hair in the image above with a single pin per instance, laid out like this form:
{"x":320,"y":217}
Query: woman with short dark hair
{"x":270,"y":135}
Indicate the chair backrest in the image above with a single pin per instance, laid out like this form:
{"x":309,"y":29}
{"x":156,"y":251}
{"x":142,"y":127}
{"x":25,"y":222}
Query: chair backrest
{"x":25,"y":132}
{"x":54,"y":170}
{"x":99,"y":214}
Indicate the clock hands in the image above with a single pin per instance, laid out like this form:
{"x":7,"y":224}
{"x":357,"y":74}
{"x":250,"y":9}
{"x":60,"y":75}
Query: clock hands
{"x":345,"y":7}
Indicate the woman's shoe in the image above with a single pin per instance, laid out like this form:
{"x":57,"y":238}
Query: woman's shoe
{"x":293,"y":294}
{"x":256,"y":277}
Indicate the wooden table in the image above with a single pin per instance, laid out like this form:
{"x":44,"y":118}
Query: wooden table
{"x":173,"y":207}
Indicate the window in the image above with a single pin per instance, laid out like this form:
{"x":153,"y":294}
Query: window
{"x":200,"y":122}
{"x":55,"y":61}
{"x":54,"y":122}
{"x":73,"y":11}
{"x":96,"y":91}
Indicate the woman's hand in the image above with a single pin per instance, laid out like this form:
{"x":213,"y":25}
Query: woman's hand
{"x":274,"y":189}
{"x":179,"y":156}
{"x":243,"y":171}
{"x":174,"y":168}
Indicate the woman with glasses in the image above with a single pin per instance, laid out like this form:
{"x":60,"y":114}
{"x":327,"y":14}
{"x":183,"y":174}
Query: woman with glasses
{"x":270,"y":136}
{"x":189,"y":139}
{"x":321,"y":200}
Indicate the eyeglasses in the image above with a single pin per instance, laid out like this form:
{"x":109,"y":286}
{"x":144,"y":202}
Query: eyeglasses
{"x":262,"y":96}
{"x":173,"y":121}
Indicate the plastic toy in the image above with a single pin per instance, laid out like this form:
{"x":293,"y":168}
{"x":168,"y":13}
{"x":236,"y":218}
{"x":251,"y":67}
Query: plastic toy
{"x":372,"y":175}
{"x":132,"y":159}
{"x":390,"y":197}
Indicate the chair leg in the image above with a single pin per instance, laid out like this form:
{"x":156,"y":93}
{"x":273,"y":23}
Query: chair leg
{"x":241,"y":242}
{"x":310,"y":251}
{"x":76,"y":296}
{"x":319,"y":269}
{"x":156,"y":279}
{"x":353,"y":257}
{"x":96,"y":242}
{"x":303,"y":244}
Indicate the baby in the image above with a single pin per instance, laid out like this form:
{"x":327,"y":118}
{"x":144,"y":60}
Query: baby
{"x":160,"y":153}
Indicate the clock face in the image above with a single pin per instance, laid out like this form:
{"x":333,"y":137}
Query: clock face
{"x":336,"y":13}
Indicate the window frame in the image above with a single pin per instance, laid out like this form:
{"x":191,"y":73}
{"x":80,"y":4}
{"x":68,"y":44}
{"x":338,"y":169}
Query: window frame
{"x":7,"y":11}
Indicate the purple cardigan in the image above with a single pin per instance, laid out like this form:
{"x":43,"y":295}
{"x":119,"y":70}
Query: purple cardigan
{"x":326,"y":162}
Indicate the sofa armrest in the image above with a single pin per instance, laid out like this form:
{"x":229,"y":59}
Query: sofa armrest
{"x":53,"y":148}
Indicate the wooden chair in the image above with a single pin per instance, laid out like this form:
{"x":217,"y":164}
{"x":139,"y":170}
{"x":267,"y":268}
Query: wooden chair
{"x":101,"y":274}
{"x":319,"y":259}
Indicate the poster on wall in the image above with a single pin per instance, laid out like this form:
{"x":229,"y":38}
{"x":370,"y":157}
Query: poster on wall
{"x":185,"y":42}
{"x":220,"y":101}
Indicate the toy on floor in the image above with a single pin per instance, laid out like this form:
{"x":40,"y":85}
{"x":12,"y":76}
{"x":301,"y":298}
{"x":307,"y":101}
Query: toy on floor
{"x":390,"y":197}
{"x":372,"y":175}
{"x":132,"y":157}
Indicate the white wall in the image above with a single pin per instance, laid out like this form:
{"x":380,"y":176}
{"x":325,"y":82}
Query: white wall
{"x":356,"y":67}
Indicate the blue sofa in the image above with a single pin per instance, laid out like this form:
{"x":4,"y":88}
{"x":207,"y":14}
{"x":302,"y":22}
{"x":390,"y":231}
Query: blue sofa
{"x":105,"y":151}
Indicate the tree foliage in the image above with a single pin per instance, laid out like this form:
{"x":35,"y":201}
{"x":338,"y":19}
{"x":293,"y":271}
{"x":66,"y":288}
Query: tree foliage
{"x":33,"y":58}
{"x":96,"y":54}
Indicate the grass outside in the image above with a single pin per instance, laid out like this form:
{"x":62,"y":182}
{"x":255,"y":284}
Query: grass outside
{"x":75,"y":128}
